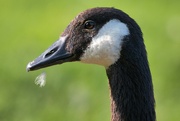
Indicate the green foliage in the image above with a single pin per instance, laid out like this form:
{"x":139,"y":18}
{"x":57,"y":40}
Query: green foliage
{"x":76,"y":91}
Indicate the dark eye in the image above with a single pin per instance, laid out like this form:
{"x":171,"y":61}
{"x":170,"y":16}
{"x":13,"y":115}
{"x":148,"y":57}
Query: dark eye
{"x":89,"y":24}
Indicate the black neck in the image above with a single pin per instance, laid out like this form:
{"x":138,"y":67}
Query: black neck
{"x":132,"y":97}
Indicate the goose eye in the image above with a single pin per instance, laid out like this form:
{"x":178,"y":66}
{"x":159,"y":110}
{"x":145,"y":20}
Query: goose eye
{"x":89,"y":24}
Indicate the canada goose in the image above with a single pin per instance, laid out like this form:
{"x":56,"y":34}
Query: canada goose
{"x":109,"y":37}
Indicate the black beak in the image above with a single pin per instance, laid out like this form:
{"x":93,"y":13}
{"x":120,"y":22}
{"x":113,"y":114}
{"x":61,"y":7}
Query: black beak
{"x":55,"y":54}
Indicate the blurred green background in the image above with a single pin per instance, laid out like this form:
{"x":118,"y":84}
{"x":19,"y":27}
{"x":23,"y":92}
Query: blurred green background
{"x":76,"y":91}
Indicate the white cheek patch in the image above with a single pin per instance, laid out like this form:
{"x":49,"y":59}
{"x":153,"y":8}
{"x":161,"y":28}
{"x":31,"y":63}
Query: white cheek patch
{"x":105,"y":47}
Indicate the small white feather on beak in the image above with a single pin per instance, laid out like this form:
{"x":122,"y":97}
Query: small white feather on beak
{"x":41,"y":79}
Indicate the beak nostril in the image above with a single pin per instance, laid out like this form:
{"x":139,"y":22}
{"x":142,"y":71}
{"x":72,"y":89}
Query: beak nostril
{"x":51,"y":52}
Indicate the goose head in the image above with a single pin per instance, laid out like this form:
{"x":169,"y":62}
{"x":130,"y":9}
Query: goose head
{"x":95,"y":36}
